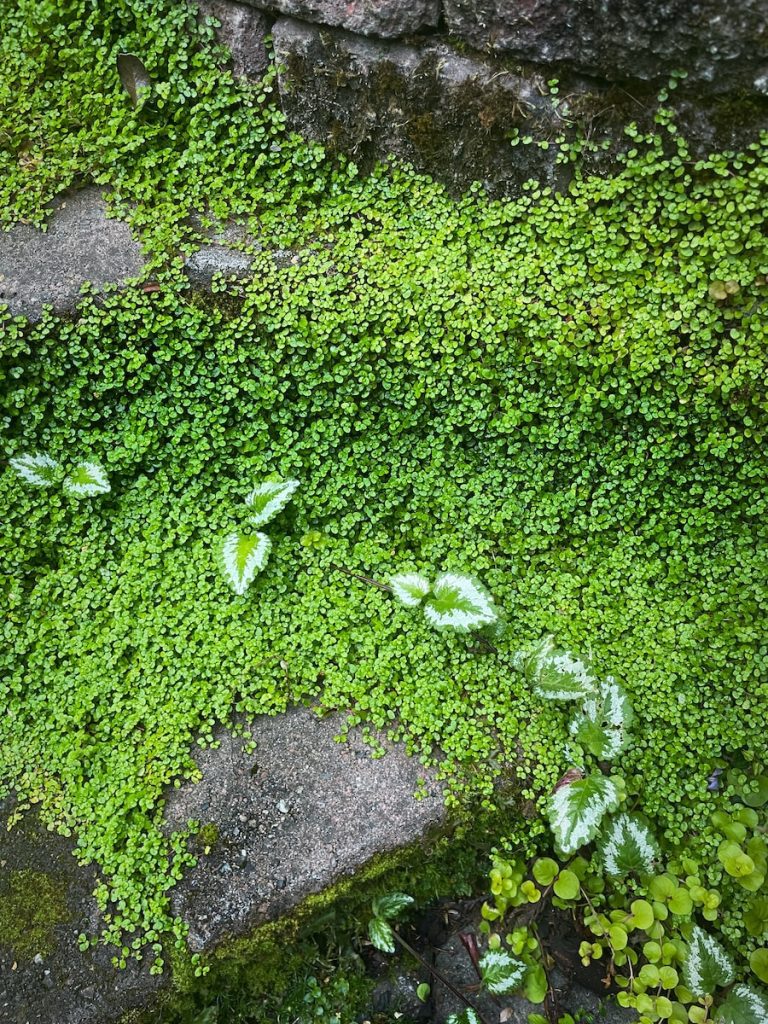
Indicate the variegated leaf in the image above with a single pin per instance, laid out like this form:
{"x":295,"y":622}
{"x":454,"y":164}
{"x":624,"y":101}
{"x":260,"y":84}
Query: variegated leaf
{"x":604,"y":722}
{"x":576,"y":810}
{"x":744,"y":1005}
{"x":410,"y":588}
{"x":242,"y":556}
{"x":37,"y":470}
{"x":501,"y":973}
{"x":269,"y":498}
{"x":707,"y":965}
{"x":86,"y":480}
{"x":558,"y":675}
{"x":381,"y":935}
{"x":628,"y":845}
{"x":391,"y":905}
{"x":468,"y":1016}
{"x":459,"y":602}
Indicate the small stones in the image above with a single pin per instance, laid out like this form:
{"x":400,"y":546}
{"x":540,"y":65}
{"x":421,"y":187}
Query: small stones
{"x":282,"y":806}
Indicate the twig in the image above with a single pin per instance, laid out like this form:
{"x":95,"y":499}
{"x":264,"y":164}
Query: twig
{"x":440,"y":977}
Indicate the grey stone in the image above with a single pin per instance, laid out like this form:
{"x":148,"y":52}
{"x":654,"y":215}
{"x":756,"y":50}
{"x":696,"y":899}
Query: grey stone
{"x":201,"y":267}
{"x":386,"y":18}
{"x":80,"y":244}
{"x":351,"y":809}
{"x":619,"y":38}
{"x":242,"y":30}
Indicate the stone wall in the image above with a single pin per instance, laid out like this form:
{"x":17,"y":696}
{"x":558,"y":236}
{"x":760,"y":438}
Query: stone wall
{"x":446,"y":84}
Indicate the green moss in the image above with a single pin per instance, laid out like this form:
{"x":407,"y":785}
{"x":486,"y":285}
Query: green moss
{"x":32,"y":903}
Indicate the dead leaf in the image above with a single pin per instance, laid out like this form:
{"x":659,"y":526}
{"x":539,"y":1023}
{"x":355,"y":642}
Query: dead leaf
{"x":572,"y":775}
{"x":133,"y":75}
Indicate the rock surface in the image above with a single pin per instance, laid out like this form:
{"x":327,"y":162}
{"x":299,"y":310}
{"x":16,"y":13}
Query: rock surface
{"x":621,"y":38}
{"x":300,"y":813}
{"x":242,"y":30}
{"x":386,"y":18}
{"x":81,"y":244}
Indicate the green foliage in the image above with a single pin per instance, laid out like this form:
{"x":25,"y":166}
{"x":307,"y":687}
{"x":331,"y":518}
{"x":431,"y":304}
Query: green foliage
{"x":501,"y":973}
{"x":544,"y":388}
{"x":384,"y":909}
{"x":576,"y":810}
{"x":454,"y":601}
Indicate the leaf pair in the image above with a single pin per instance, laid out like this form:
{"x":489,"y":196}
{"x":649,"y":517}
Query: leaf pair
{"x":454,"y":601}
{"x":243,"y":555}
{"x":86,"y":480}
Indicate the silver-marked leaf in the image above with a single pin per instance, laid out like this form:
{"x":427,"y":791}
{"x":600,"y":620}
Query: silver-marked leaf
{"x":501,"y":972}
{"x":242,"y":556}
{"x":269,"y":498}
{"x":468,"y":1016}
{"x":744,"y":1005}
{"x":391,"y":905}
{"x":86,"y":480}
{"x":576,"y":810}
{"x":557,"y":675}
{"x":410,"y":588}
{"x":707,"y":965}
{"x":604,"y":722}
{"x":459,"y":602}
{"x":37,"y":470}
{"x":628,"y":845}
{"x":381,"y":935}
{"x":133,"y":75}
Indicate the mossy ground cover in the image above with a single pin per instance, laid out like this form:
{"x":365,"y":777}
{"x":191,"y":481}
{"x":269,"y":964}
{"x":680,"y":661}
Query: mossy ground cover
{"x":543,"y":391}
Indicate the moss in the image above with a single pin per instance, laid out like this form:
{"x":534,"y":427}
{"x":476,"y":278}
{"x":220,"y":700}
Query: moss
{"x":32,"y":903}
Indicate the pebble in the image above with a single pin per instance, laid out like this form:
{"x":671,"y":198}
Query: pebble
{"x":282,"y":806}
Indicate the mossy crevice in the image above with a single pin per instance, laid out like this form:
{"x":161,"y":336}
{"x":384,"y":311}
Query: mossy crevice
{"x":32,"y":904}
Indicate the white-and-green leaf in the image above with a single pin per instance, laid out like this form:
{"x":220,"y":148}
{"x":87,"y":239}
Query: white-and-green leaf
{"x":381,"y":935}
{"x":389,"y":906}
{"x":556,"y":674}
{"x":628,"y":845}
{"x":707,"y":965}
{"x":86,"y":480}
{"x":410,"y":588}
{"x":269,"y":498}
{"x":242,"y":556}
{"x":501,"y":973}
{"x":604,"y":722}
{"x":744,"y":1005}
{"x":468,"y":1016}
{"x":36,"y":470}
{"x":459,"y":602}
{"x":576,"y":810}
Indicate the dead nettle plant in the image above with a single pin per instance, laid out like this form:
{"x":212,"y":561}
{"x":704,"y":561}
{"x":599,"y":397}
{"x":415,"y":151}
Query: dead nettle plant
{"x":244,"y":554}
{"x":85,"y":479}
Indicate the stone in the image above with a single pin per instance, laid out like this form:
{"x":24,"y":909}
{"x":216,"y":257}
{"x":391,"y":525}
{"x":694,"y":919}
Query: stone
{"x":631,"y":39}
{"x":388,"y":19}
{"x":39,"y":268}
{"x":446,"y":113}
{"x":351,"y":809}
{"x":242,"y":29}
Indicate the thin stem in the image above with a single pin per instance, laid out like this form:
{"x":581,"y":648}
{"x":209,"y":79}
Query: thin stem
{"x":440,"y":977}
{"x":363,"y":579}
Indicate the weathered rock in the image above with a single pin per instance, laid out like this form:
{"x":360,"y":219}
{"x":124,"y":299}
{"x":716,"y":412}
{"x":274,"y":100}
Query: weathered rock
{"x":290,"y":819}
{"x":39,"y":268}
{"x":622,"y":38}
{"x":448,"y":114}
{"x":242,"y":30}
{"x":386,"y":18}
{"x":281,"y":824}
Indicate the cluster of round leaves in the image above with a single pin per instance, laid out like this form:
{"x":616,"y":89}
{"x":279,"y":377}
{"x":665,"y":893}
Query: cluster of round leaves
{"x":547,"y":390}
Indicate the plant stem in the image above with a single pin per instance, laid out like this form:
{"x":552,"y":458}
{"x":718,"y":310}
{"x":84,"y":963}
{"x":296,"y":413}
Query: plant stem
{"x":440,"y":977}
{"x":363,"y":579}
